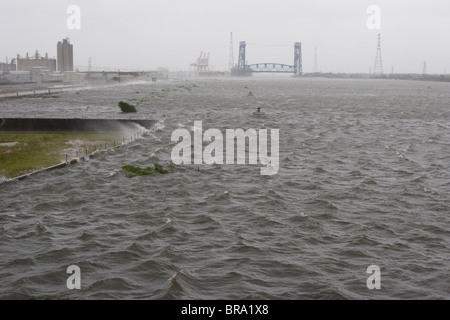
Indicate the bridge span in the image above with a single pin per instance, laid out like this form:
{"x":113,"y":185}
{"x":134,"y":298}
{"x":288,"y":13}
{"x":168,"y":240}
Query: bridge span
{"x":244,"y":69}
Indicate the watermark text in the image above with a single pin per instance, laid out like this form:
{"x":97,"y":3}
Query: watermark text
{"x":74,"y":20}
{"x":374,"y":281}
{"x":74,"y":281}
{"x":213,"y":153}
{"x":374,"y":20}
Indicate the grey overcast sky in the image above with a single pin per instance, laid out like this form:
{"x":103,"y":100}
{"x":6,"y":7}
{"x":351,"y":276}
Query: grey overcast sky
{"x":147,"y":34}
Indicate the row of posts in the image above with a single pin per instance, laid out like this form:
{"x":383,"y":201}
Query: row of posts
{"x":133,"y":137}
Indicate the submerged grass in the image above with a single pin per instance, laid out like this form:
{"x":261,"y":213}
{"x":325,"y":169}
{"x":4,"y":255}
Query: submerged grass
{"x":160,"y":169}
{"x":22,"y":153}
{"x":136,"y":171}
{"x":126,"y":107}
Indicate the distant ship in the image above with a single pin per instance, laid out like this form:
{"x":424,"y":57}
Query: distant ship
{"x":210,"y":73}
{"x":247,"y":72}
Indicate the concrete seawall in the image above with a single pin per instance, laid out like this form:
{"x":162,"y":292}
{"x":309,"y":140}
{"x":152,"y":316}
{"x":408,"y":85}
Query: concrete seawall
{"x":70,"y":125}
{"x":33,"y":90}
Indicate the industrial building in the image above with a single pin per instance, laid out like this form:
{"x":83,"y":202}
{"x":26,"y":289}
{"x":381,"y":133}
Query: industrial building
{"x":27,"y":63}
{"x":39,"y":69}
{"x":65,"y":55}
{"x":63,"y":63}
{"x":8,"y":66}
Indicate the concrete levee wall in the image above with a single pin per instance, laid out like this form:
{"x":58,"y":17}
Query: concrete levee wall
{"x":71,"y":125}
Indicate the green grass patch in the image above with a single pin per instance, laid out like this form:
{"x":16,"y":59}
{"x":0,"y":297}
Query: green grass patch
{"x":126,"y":107}
{"x":22,"y":153}
{"x":136,"y":171}
{"x":160,"y":169}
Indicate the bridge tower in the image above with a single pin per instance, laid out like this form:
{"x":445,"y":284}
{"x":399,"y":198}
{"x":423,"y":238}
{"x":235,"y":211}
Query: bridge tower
{"x":241,"y":62}
{"x":298,"y":65}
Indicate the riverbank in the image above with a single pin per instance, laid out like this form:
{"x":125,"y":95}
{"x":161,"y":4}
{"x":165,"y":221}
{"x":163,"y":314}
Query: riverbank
{"x":391,"y":76}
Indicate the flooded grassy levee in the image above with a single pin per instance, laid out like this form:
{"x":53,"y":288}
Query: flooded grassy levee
{"x":22,"y":153}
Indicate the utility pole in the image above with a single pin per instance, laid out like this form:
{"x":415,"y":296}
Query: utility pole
{"x":231,"y":59}
{"x":316,"y":64}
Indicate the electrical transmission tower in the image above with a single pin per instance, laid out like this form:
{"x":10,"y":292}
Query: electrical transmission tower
{"x":378,"y":69}
{"x":231,"y":61}
{"x":424,"y":68}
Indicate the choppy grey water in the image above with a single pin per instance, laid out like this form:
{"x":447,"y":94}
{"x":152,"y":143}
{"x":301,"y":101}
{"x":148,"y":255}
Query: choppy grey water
{"x":364,"y":180}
